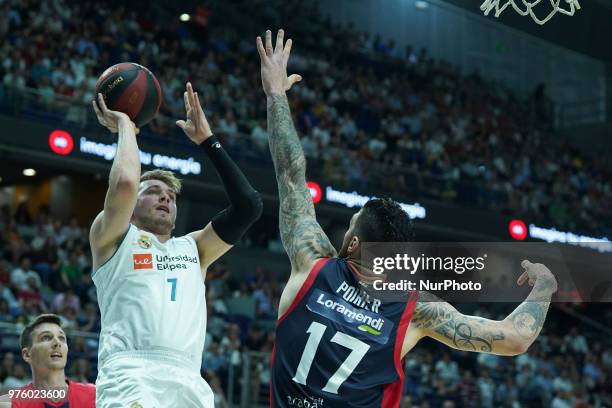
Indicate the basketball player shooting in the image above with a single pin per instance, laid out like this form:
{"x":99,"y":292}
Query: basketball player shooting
{"x":334,"y":346}
{"x":151,"y":285}
{"x":45,"y":348}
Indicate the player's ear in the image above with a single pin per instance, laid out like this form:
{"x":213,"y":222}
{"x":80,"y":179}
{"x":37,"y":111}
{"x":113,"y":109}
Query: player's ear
{"x":353,"y":244}
{"x":26,"y":355}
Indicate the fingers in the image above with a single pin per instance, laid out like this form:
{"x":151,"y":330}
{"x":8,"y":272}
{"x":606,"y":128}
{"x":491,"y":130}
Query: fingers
{"x":269,"y":49}
{"x":190,"y":96}
{"x":198,"y":104}
{"x":528,"y":275}
{"x":279,"y":41}
{"x":187,"y":104}
{"x":287,"y":51}
{"x":101,"y":117}
{"x":261,"y":50}
{"x":197,"y":118}
{"x":181,"y":124}
{"x":102,"y":104}
{"x":292,"y":80}
{"x":95,"y":106}
{"x":524,"y":276}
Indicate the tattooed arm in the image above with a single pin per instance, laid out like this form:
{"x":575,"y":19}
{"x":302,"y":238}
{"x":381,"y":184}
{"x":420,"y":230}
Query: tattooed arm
{"x":303,"y":238}
{"x":438,"y":319}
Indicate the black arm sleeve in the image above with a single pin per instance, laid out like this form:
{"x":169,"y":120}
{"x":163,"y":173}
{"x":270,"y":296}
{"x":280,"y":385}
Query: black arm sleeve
{"x":245,"y":206}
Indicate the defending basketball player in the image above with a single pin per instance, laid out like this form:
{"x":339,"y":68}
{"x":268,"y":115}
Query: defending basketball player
{"x":44,"y":347}
{"x":326,"y":354}
{"x":151,"y":285}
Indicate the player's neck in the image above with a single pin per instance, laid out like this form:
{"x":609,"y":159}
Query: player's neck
{"x":49,"y":379}
{"x":363,"y":272}
{"x":160,"y":237}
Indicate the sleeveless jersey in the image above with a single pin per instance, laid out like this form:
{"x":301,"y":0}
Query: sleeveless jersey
{"x":78,"y":396}
{"x":152,"y":297}
{"x":336,"y":348}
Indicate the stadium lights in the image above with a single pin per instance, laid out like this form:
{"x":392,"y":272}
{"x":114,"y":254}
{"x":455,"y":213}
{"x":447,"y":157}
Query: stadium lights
{"x":315,"y":191}
{"x":61,"y":142}
{"x":517,"y":229}
{"x":29,"y":172}
{"x":185,"y":17}
{"x":421,"y":5}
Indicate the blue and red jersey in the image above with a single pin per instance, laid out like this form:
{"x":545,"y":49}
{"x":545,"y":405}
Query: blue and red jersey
{"x":336,"y":347}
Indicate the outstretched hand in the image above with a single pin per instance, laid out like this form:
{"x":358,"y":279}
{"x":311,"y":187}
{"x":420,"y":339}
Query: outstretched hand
{"x":534,"y":272}
{"x":196,"y":126}
{"x":109,"y":118}
{"x":274,"y":64}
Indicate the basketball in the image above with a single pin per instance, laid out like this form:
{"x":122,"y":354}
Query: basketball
{"x":132,"y":89}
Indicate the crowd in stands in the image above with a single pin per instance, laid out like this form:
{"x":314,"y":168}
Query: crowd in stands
{"x":45,"y":266}
{"x":564,"y":368}
{"x":371,"y":116}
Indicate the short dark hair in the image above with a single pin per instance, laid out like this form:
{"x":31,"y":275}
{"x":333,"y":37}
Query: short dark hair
{"x":383,"y":220}
{"x":25,"y":341}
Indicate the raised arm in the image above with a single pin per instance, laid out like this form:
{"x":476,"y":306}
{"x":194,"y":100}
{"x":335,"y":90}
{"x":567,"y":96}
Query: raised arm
{"x":302,"y":236}
{"x":112,"y":223}
{"x":438,"y":319}
{"x":245,"y":207}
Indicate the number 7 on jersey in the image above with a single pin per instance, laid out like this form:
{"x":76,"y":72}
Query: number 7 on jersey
{"x":358,"y":351}
{"x":172,"y":281}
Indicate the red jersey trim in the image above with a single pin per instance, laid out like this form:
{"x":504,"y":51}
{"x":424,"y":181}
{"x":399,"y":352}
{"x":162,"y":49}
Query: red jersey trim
{"x":272,"y":368}
{"x":392,"y":393}
{"x":312,"y":275}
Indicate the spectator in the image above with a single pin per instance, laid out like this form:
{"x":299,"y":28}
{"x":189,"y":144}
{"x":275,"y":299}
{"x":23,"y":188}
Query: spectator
{"x":576,"y":341}
{"x":563,"y":383}
{"x":89,"y":321}
{"x":260,"y":135}
{"x":562,"y":400}
{"x":5,"y":276}
{"x":468,"y":390}
{"x":448,"y":370}
{"x":486,"y":389}
{"x":65,"y":299}
{"x":20,"y":276}
{"x":31,"y":294}
{"x":7,"y":295}
{"x":71,"y":271}
{"x":80,"y":371}
{"x":5,"y":312}
{"x":215,"y":384}
{"x":17,"y":379}
{"x":213,"y":359}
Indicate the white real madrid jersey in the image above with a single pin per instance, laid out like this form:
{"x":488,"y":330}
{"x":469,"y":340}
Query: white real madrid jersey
{"x":152,"y":297}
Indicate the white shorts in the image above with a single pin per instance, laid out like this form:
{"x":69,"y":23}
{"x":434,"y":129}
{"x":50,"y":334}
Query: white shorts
{"x":151,"y":379}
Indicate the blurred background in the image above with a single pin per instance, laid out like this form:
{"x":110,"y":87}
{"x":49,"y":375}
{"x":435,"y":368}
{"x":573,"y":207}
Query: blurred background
{"x":486,"y":130}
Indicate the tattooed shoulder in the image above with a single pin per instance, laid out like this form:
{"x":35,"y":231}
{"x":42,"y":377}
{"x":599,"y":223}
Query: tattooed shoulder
{"x":431,"y":311}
